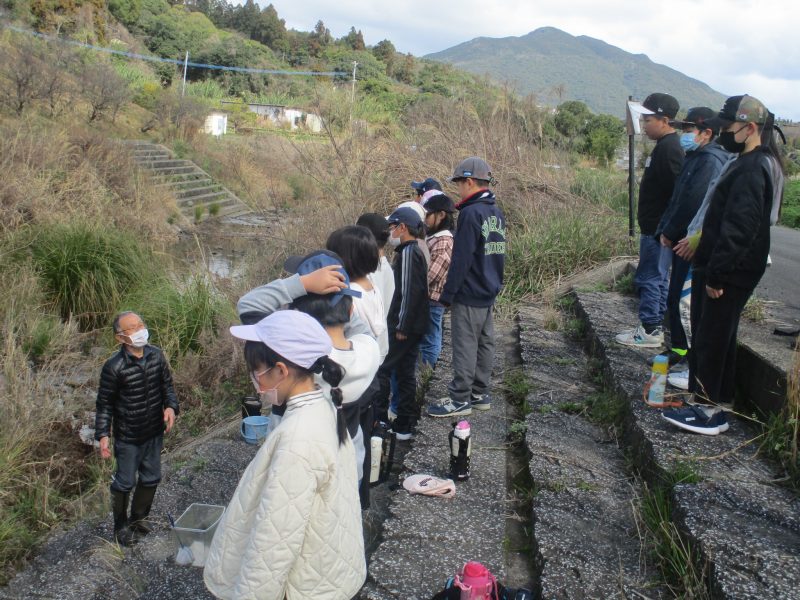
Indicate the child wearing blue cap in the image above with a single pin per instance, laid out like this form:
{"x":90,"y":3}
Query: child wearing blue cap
{"x":320,"y":287}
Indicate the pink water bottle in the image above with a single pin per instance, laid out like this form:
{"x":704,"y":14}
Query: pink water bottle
{"x":460,"y":450}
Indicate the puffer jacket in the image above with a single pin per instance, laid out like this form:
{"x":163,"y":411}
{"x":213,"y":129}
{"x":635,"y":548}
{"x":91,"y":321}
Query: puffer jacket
{"x":293,"y":527}
{"x":735,"y":241}
{"x":133,"y":394}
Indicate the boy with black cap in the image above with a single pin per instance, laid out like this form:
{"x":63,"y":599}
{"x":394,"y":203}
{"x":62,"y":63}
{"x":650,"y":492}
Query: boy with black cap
{"x":704,"y":160}
{"x":730,"y":259}
{"x":473,"y":282}
{"x":655,"y":190}
{"x":406,"y":328}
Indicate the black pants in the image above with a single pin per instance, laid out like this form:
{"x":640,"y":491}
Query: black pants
{"x":143,"y":458}
{"x":677,"y":335}
{"x":715,"y":323}
{"x":402,"y":359}
{"x":360,"y":414}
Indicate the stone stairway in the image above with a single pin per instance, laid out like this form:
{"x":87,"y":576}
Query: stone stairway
{"x":196,"y":193}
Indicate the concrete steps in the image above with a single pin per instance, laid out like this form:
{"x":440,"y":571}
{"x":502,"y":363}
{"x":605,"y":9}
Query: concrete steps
{"x":195,"y":190}
{"x":744,"y":527}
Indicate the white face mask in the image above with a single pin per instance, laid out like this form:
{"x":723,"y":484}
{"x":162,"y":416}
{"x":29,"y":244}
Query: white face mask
{"x":394,"y":242}
{"x":139,"y":338}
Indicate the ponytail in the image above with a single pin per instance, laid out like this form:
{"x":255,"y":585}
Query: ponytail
{"x":333,"y":374}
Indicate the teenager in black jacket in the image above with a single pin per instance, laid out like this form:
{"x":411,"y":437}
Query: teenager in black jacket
{"x":407,"y":321}
{"x":655,"y":190}
{"x":729,"y":261}
{"x":136,"y":397}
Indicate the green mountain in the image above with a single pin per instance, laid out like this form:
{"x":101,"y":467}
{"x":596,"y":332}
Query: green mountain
{"x":557,"y":66}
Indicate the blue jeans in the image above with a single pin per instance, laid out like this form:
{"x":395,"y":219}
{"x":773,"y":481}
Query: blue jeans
{"x":652,"y":280}
{"x":431,"y":345}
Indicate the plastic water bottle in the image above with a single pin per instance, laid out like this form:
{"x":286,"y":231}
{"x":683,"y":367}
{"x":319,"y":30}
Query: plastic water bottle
{"x":658,"y":380}
{"x":460,"y":441}
{"x":376,"y":449}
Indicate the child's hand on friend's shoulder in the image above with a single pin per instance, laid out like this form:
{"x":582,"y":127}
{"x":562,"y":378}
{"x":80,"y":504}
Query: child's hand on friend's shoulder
{"x":326,"y":280}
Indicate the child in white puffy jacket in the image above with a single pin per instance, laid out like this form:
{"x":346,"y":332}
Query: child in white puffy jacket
{"x":293,"y":527}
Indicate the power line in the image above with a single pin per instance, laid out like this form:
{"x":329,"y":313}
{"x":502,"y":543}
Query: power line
{"x":172,"y":60}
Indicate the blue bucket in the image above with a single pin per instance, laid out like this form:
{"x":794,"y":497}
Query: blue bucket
{"x":254,"y":429}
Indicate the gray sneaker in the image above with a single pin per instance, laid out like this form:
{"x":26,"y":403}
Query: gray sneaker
{"x":448,"y":408}
{"x":639,"y":338}
{"x":482,"y":402}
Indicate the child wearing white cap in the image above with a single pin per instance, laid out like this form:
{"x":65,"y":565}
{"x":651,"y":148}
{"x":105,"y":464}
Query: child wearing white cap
{"x":293,"y":527}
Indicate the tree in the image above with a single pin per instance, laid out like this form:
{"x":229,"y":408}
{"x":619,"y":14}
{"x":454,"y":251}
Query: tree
{"x":20,"y":73}
{"x":603,"y":135}
{"x":270,"y":30}
{"x":385,"y":52}
{"x":571,"y":118}
{"x":405,"y":70}
{"x":319,"y":39}
{"x":104,"y":89}
{"x":354,"y":39}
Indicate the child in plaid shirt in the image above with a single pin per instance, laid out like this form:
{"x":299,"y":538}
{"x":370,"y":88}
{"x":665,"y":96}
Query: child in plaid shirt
{"x":439,"y":223}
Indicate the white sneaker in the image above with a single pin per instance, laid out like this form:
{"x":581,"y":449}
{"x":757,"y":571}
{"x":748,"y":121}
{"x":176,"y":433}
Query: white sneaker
{"x":679,"y":379}
{"x":639,"y":338}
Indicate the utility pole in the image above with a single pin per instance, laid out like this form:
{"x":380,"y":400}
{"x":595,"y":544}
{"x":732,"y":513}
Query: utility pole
{"x":185,"y":67}
{"x":353,"y":91}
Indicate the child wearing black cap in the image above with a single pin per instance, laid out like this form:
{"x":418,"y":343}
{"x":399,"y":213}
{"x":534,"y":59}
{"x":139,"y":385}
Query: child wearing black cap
{"x":658,"y":181}
{"x":730,"y":259}
{"x":439,"y":224}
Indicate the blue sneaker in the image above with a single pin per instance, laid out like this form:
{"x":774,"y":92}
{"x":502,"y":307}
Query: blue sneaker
{"x":697,"y":420}
{"x":448,"y":408}
{"x":481,"y":402}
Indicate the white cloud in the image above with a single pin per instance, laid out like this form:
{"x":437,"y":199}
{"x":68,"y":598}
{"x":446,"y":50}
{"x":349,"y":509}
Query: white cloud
{"x":735,"y":46}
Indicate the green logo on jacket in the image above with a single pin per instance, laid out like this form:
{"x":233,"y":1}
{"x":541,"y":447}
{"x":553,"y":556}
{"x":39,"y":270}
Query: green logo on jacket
{"x":493,"y":225}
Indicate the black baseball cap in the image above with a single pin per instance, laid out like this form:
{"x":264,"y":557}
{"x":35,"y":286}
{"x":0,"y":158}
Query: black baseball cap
{"x":699,"y":117}
{"x":423,"y":186}
{"x":661,"y":105}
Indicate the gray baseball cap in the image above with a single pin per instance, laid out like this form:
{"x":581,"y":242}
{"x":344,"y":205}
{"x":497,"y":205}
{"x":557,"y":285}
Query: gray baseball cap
{"x":473,"y":167}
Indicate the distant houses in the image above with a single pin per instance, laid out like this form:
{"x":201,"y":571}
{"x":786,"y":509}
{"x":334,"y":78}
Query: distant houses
{"x":277,"y":115}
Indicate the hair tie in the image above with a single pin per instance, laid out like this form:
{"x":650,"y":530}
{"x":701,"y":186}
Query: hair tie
{"x":338,"y":407}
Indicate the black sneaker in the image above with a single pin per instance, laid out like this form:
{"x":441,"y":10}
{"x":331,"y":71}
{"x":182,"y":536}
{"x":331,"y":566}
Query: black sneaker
{"x":673,"y":357}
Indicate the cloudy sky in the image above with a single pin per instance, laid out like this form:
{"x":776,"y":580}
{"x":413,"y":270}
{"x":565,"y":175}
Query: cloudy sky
{"x":735,"y":46}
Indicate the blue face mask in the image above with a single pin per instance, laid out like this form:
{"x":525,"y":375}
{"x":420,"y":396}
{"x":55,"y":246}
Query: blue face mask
{"x":687,"y":142}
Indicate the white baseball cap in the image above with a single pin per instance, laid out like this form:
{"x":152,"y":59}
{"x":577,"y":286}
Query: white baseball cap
{"x":296,"y":336}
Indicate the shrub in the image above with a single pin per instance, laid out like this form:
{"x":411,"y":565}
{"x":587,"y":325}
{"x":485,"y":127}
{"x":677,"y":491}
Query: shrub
{"x":87,"y":270}
{"x":178,"y":314}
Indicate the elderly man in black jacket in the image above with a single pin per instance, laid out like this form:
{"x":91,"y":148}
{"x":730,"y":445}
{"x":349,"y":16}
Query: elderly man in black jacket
{"x":136,"y":397}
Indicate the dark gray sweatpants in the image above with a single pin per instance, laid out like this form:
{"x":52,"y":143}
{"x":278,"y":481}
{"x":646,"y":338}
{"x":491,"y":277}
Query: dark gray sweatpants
{"x":472,"y":338}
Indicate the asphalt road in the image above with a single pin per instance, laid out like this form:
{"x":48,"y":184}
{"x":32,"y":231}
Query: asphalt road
{"x":781,"y":282}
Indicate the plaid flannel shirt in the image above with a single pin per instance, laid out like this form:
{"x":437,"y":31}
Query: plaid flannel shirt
{"x":441,"y":248}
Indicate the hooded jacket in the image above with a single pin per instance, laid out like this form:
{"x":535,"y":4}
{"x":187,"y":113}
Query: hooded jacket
{"x":293,"y":526}
{"x":479,"y":251}
{"x":735,"y":241}
{"x":132,"y":396}
{"x":700,"y":168}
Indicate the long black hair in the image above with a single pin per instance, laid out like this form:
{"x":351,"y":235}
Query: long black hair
{"x":258,"y":355}
{"x":448,"y":223}
{"x":769,"y":141}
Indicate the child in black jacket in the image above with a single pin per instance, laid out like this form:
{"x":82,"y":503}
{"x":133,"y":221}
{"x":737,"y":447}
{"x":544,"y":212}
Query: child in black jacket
{"x":729,"y":261}
{"x":407,"y":321}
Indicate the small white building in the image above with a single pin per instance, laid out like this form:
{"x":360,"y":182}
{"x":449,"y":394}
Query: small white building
{"x":284,"y":116}
{"x":216,"y":123}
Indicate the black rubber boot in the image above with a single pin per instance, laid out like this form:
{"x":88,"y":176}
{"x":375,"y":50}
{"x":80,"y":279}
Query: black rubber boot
{"x":119,"y":507}
{"x":140,"y":508}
